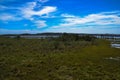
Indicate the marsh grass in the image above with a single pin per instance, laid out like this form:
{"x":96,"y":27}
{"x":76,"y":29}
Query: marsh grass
{"x":45,"y":59}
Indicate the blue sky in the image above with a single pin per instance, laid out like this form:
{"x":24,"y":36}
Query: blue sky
{"x":72,"y":16}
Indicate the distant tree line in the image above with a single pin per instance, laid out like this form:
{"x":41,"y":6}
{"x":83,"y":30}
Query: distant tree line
{"x":75,"y":37}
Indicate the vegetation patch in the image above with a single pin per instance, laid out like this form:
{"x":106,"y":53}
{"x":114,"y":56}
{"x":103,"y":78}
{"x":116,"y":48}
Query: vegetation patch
{"x":65,"y":58}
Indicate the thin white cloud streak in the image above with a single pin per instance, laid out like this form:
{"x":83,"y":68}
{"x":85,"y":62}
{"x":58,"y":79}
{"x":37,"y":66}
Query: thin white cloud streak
{"x":25,"y":25}
{"x":40,"y":23}
{"x":43,"y":1}
{"x":104,"y":18}
{"x":7,"y":31}
{"x":3,"y":7}
{"x":67,"y":16}
{"x":9,"y":17}
{"x":85,"y":29}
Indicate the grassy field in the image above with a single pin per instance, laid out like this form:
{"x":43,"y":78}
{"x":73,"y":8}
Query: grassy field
{"x":44,"y":59}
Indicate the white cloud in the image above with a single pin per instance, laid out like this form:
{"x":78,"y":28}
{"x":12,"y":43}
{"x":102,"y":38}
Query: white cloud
{"x":104,"y":18}
{"x":40,"y":23}
{"x":3,"y":7}
{"x":111,"y":12}
{"x":28,"y":10}
{"x":46,"y":10}
{"x":43,"y":1}
{"x":67,"y":16}
{"x":9,"y":17}
{"x":104,"y":22}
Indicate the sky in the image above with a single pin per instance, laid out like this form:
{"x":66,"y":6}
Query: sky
{"x":70,"y":16}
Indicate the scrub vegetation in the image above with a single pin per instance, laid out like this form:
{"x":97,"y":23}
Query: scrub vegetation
{"x":68,"y":57}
